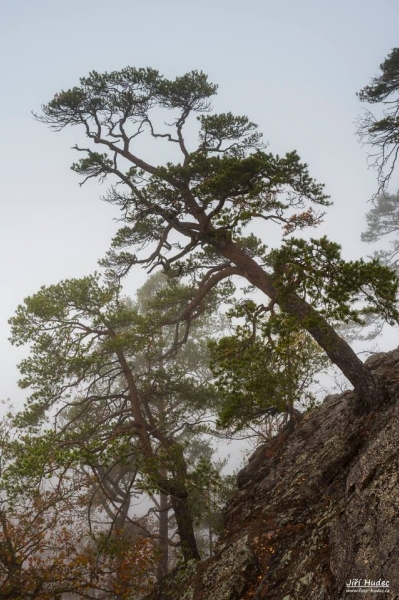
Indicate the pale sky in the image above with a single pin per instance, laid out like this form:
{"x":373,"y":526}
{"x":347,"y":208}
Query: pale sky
{"x":292,"y":66}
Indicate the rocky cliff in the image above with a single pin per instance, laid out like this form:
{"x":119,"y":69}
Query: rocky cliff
{"x":317,"y":508}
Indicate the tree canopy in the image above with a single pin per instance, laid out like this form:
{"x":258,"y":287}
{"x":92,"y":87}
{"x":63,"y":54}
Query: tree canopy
{"x":266,"y":368}
{"x":46,"y":548}
{"x":121,"y":402}
{"x":191,"y":216}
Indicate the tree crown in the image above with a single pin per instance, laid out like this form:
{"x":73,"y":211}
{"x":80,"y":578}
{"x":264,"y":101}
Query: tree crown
{"x":213,"y":191}
{"x":382,"y":134}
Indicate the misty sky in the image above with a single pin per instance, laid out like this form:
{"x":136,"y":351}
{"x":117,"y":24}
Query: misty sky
{"x":292,"y":66}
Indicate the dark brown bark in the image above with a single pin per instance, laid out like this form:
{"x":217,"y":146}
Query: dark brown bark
{"x":179,"y":498}
{"x":184,"y":520}
{"x":175,"y":487}
{"x":370,"y":390}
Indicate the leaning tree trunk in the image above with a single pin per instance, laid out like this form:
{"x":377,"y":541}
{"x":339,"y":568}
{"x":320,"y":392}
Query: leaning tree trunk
{"x":369,"y":389}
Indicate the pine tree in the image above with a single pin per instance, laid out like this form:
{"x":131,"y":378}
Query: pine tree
{"x":190,"y":217}
{"x":382,"y":132}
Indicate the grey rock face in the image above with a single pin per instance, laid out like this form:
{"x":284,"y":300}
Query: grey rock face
{"x":318,"y":506}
